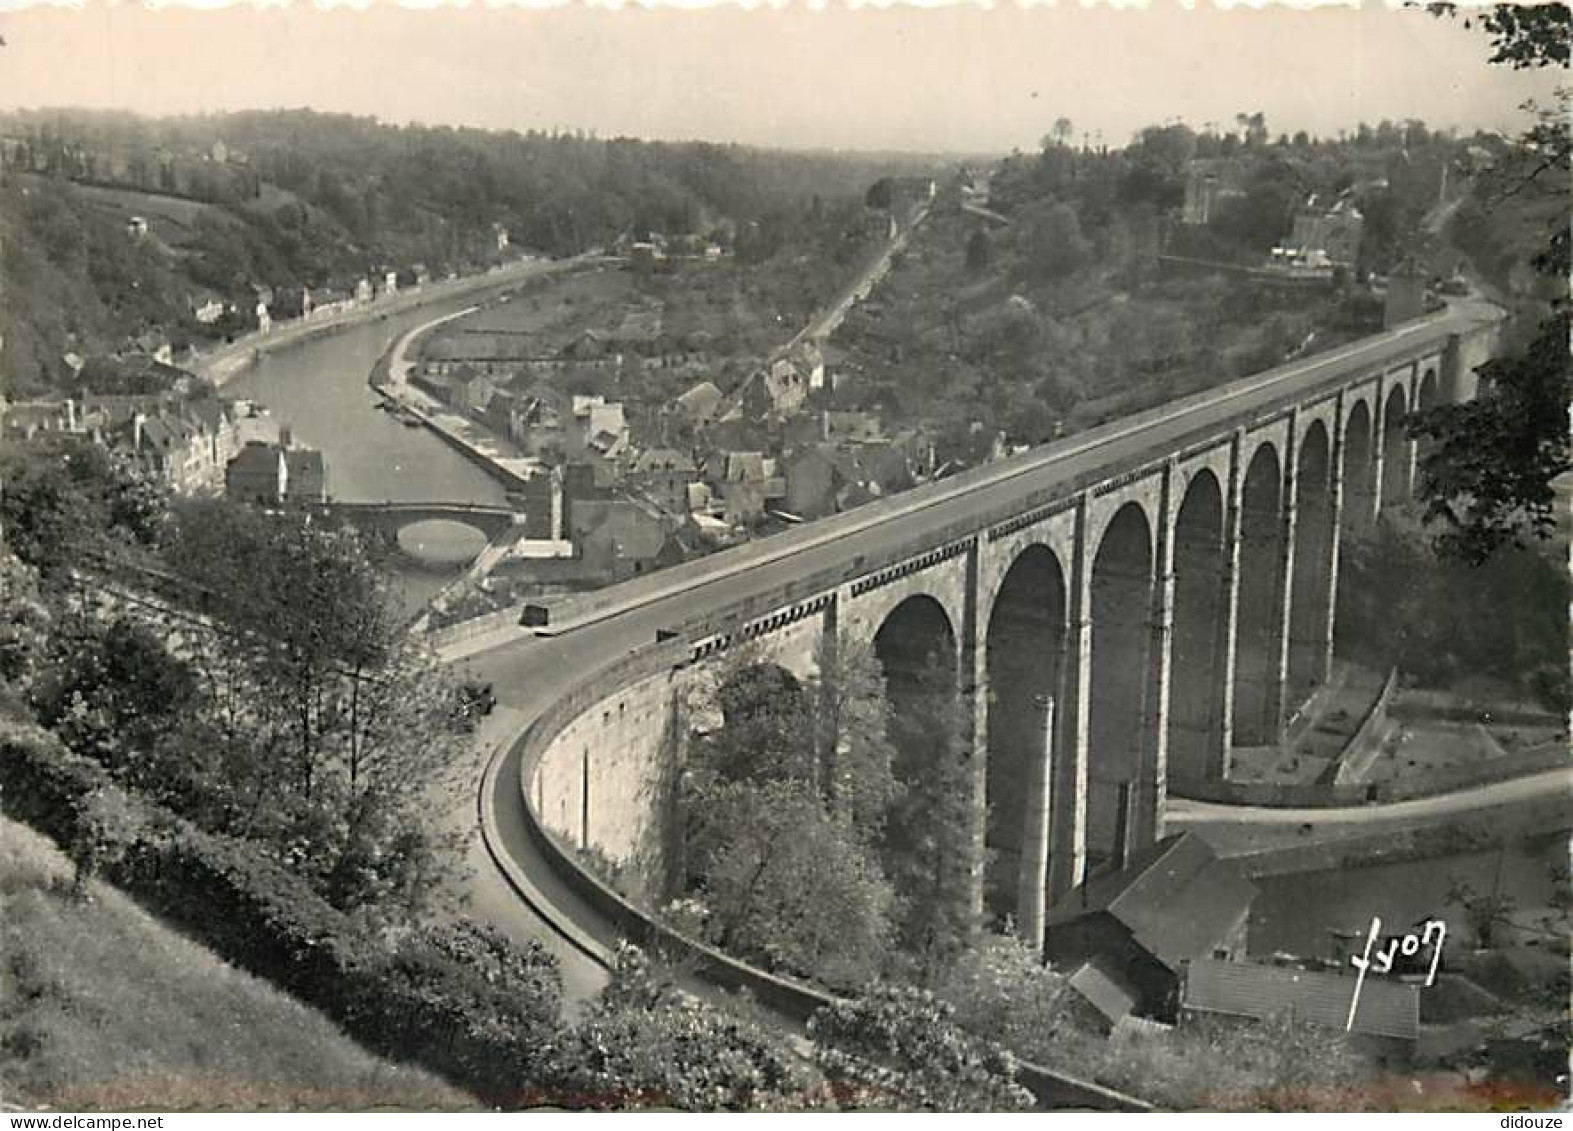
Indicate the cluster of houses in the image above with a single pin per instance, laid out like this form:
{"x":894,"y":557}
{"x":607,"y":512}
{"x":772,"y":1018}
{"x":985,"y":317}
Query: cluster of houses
{"x":195,"y":445}
{"x":199,"y":171}
{"x":267,"y":308}
{"x":624,"y":491}
{"x":295,"y":303}
{"x":645,"y":508}
{"x":1325,"y":234}
{"x":661,"y":254}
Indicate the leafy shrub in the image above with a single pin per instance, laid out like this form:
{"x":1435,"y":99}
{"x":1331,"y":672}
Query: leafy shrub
{"x":789,"y":884}
{"x":1273,"y":1065}
{"x":901,"y":1049}
{"x":1000,"y":990}
{"x":645,"y":1044}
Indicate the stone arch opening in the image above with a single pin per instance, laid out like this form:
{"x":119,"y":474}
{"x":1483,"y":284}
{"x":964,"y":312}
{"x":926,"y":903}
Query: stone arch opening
{"x":1427,"y":395}
{"x":1395,"y":449}
{"x":1359,"y":470}
{"x":916,"y":648}
{"x":915,"y":636}
{"x":1119,"y":715}
{"x":1258,"y":620}
{"x":1026,"y":661}
{"x":1195,"y":695}
{"x":1309,"y":608}
{"x":440,"y":544}
{"x":927,"y":843}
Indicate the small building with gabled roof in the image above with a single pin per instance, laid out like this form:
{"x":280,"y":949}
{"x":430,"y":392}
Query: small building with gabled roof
{"x":1173,"y":902}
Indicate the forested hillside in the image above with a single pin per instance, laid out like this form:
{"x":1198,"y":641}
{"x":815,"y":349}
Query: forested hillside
{"x":1075,"y":284}
{"x":288,"y":199}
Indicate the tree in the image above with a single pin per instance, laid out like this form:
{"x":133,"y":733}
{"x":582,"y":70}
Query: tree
{"x":788,"y":884}
{"x":858,"y":782}
{"x":66,"y":500}
{"x":927,"y":847}
{"x":1486,"y":465}
{"x":24,"y":622}
{"x":1002,"y":990}
{"x":829,"y":734}
{"x":1253,"y":128}
{"x":479,"y":982}
{"x":1523,"y":36}
{"x":768,"y":725}
{"x":106,"y":821}
{"x":1051,"y":242}
{"x":1509,"y":620}
{"x":1487,"y":476}
{"x":354,"y":722}
{"x":115,"y":694}
{"x":1064,"y":130}
{"x":783,"y":801}
{"x":1259,"y":218}
{"x":900,"y":1049}
{"x":112,"y":376}
{"x":1483,"y":912}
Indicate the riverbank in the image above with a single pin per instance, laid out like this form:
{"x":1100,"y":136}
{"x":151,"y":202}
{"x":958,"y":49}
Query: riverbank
{"x":228,"y":361}
{"x":389,"y":378}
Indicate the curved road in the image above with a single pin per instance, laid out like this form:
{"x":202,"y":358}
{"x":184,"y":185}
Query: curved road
{"x":1232,"y":830}
{"x":529,"y":672}
{"x":1531,"y":787}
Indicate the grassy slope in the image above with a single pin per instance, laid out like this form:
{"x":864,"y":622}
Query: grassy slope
{"x":103,"y":1007}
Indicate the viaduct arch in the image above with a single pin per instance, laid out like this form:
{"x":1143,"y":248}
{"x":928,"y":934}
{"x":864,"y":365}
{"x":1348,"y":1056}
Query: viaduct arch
{"x":1026,"y":666}
{"x":1196,"y":732}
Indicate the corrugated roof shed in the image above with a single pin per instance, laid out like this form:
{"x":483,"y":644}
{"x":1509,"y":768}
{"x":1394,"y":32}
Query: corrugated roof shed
{"x":1245,"y":989}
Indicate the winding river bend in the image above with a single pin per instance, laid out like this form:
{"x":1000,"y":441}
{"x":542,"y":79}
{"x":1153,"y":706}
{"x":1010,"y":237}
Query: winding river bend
{"x":318,"y":389}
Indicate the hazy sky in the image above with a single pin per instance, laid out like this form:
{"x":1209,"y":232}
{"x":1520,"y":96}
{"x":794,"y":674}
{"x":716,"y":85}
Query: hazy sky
{"x":953,"y":78}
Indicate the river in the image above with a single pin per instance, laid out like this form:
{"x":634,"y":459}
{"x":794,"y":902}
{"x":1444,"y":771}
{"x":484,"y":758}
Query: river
{"x":1298,"y":913}
{"x":318,"y":389}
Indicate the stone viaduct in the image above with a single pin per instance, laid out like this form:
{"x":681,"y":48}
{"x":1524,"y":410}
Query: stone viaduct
{"x":1121,"y":610}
